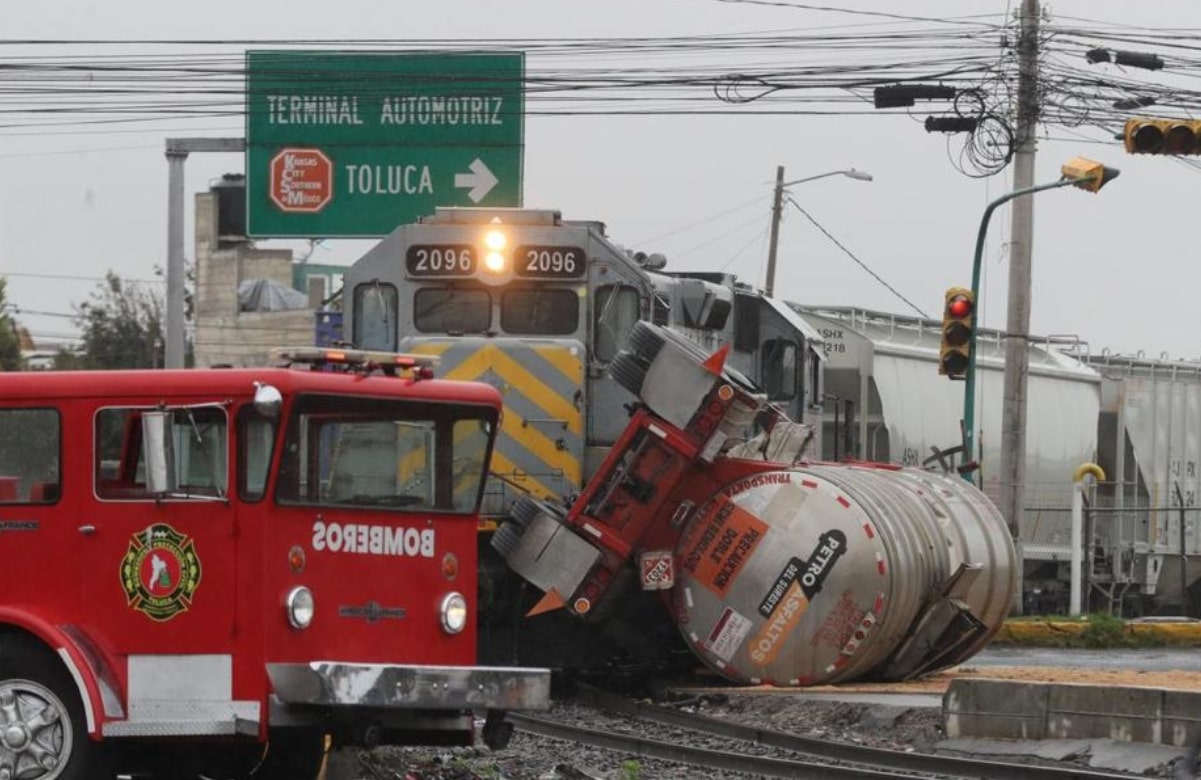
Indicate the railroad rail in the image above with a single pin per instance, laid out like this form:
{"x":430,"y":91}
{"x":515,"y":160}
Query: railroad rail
{"x":812,"y":757}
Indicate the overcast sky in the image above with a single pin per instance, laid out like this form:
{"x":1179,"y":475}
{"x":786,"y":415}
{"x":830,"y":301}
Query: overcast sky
{"x":1119,"y":269}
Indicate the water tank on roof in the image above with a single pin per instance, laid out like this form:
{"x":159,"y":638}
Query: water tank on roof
{"x":230,"y":195}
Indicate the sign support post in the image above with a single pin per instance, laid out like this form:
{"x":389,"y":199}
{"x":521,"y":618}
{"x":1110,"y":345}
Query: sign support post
{"x":177,"y":154}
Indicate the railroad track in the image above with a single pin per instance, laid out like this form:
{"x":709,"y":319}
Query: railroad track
{"x":795,"y":756}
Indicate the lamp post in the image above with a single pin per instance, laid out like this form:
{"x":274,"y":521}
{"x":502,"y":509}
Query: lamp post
{"x":1088,"y":175}
{"x":777,"y":207}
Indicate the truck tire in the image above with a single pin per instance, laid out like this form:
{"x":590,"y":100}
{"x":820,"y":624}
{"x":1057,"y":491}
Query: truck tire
{"x":292,"y":754}
{"x":645,"y":341}
{"x":506,"y":538}
{"x":628,"y":371}
{"x":526,"y":509}
{"x":43,"y":734}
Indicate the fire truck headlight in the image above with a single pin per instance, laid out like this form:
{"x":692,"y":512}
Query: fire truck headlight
{"x":299,"y":606}
{"x":454,"y":613}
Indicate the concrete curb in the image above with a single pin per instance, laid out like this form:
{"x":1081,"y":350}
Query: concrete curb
{"x":1000,"y":709}
{"x":1069,"y":633}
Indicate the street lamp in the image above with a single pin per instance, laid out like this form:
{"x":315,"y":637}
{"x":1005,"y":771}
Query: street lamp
{"x":1082,"y":173}
{"x":777,"y":207}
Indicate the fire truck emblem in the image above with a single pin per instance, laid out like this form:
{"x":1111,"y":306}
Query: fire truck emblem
{"x":160,"y":572}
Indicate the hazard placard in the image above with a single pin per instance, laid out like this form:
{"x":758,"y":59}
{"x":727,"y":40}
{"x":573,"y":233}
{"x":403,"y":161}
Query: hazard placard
{"x":658,"y":570}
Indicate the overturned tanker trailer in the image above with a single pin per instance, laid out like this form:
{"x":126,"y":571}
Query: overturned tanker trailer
{"x":775,"y":571}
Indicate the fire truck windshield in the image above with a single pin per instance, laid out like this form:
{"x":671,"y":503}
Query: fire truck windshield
{"x":382,"y":453}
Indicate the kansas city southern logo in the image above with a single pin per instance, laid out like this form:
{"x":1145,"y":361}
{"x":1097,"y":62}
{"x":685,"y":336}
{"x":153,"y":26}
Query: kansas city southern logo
{"x":160,"y":572}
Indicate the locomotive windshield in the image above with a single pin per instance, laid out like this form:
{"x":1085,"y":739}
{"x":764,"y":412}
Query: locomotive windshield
{"x":390,"y":454}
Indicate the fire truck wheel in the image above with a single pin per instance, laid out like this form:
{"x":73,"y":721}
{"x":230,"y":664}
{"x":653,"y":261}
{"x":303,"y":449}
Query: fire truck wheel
{"x":43,"y":735}
{"x":292,"y":754}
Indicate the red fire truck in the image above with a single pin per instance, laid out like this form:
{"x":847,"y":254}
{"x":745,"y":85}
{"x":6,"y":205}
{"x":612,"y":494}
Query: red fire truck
{"x":269,"y":561}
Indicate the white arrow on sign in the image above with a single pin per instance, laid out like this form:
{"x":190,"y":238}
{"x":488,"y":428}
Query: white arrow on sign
{"x":480,"y":180}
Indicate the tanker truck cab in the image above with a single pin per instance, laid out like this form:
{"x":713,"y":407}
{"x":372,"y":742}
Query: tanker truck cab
{"x":231,"y":571}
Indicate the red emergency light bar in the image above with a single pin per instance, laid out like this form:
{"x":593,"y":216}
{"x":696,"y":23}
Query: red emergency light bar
{"x":421,"y":366}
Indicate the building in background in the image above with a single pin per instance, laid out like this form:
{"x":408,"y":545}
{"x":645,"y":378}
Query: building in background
{"x":248,"y":299}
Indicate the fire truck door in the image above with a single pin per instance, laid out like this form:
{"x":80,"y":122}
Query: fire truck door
{"x":160,"y":578}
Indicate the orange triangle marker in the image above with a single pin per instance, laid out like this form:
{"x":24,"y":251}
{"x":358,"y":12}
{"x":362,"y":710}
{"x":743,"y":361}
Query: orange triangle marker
{"x":549,"y":603}
{"x":717,"y":361}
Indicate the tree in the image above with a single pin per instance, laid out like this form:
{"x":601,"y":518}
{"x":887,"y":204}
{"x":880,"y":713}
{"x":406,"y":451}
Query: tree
{"x":122,"y":325}
{"x":10,"y":342}
{"x":66,"y":359}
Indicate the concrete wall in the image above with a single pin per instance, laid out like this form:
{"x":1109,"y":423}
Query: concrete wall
{"x":1000,"y":709}
{"x":224,"y":335}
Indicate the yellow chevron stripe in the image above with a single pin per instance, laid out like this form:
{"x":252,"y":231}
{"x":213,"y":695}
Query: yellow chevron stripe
{"x":541,"y":445}
{"x":569,"y":365}
{"x":518,"y":378}
{"x":430,"y":348}
{"x":505,"y":467}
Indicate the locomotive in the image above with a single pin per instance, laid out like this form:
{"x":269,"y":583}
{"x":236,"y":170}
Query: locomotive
{"x":539,"y":307}
{"x":725,"y":541}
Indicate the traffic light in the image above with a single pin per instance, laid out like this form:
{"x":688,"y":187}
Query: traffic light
{"x":1162,"y":136}
{"x":1088,"y":174}
{"x":958,"y":314}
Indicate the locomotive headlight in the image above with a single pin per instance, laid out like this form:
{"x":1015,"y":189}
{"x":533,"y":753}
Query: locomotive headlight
{"x":299,"y":607}
{"x":495,"y":240}
{"x":494,"y":262}
{"x":454,"y":613}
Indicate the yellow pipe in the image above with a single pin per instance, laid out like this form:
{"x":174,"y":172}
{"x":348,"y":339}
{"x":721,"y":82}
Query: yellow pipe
{"x":1076,"y":592}
{"x":1084,"y":469}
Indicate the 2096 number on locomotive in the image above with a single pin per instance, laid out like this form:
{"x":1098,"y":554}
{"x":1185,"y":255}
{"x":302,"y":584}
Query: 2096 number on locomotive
{"x":553,"y":262}
{"x":440,"y":260}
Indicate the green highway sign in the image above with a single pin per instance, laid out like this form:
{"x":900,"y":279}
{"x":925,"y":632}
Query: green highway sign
{"x":353,"y":144}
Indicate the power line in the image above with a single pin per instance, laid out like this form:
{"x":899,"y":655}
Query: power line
{"x":859,"y":262}
{"x":74,"y":278}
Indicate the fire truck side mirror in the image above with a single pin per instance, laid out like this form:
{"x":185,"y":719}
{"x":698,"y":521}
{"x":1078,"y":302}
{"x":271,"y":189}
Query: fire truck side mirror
{"x":267,"y":400}
{"x":158,"y":448}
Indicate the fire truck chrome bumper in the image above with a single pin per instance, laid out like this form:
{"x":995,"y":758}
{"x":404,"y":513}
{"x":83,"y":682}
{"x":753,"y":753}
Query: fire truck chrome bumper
{"x":333,"y":684}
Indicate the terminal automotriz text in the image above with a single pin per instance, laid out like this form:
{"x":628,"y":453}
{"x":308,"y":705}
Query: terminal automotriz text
{"x":421,"y":110}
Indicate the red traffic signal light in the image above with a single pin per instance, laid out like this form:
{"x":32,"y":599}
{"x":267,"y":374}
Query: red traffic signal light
{"x":1162,"y":136}
{"x":958,"y":316}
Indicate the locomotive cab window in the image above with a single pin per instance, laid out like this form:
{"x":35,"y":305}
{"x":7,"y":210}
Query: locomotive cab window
{"x":452,"y":310}
{"x":375,"y":316}
{"x":385,"y":454}
{"x":29,"y":456}
{"x":779,"y":372}
{"x":540,"y":312}
{"x":617,"y":311}
{"x":196,"y":437}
